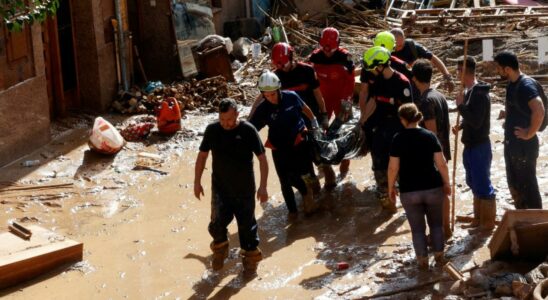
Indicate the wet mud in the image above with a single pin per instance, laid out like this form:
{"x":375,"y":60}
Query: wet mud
{"x":145,"y":235}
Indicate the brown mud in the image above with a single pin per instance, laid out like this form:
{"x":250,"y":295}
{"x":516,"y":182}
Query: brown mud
{"x":145,"y":235}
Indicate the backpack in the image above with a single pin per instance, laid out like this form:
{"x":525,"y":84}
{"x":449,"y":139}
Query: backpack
{"x":542,"y":95}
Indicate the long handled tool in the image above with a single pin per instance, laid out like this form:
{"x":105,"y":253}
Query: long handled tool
{"x":461,"y":91}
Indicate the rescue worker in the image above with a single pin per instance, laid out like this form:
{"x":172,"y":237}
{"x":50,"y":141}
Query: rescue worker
{"x":282,"y":113}
{"x":300,"y":78}
{"x":416,"y":156}
{"x":525,"y":113}
{"x":367,"y":77}
{"x":389,"y":90}
{"x":475,"y":109}
{"x":409,"y":51}
{"x":335,"y":69}
{"x":232,"y":143}
{"x":433,"y":106}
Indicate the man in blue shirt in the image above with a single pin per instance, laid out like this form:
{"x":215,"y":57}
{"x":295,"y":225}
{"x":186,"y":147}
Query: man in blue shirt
{"x":524,"y":115}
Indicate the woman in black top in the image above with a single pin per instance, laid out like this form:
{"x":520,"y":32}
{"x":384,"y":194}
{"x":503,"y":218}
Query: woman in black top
{"x":416,"y":155}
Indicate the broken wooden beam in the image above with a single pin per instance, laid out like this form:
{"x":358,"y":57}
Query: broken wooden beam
{"x":43,"y":252}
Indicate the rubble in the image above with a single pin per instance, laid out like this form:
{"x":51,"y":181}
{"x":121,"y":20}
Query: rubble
{"x":192,"y":95}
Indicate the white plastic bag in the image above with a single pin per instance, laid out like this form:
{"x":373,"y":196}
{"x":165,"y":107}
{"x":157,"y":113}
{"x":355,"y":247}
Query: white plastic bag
{"x":105,"y":138}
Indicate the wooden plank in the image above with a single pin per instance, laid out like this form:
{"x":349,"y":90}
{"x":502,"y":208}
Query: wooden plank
{"x":21,"y":260}
{"x":500,"y":244}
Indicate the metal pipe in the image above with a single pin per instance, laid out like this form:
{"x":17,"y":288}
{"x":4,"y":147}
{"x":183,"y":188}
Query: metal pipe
{"x":121,"y":45}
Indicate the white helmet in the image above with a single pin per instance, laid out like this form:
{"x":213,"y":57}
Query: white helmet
{"x":269,"y":82}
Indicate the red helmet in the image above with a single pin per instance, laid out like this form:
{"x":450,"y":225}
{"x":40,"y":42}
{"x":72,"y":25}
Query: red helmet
{"x":282,"y":53}
{"x":329,"y":38}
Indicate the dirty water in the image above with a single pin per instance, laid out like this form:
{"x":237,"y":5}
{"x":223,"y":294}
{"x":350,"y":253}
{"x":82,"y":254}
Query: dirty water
{"x":145,"y":235}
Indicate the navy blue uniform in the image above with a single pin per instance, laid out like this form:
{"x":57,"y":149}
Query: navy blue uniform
{"x":520,"y":155}
{"x":290,"y":150}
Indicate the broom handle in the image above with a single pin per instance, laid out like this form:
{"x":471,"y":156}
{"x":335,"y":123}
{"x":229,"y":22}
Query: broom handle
{"x":461,"y":91}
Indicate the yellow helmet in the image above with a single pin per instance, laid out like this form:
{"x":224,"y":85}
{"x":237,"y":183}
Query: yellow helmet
{"x":385,"y":39}
{"x":375,"y":56}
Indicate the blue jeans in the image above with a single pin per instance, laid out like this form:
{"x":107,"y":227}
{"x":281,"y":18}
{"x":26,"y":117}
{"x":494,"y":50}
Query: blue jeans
{"x":223,"y":211}
{"x":417,"y":205}
{"x":477,"y":163}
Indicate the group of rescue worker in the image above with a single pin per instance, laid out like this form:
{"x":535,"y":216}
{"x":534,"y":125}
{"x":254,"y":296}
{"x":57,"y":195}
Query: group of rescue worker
{"x":407,"y":129}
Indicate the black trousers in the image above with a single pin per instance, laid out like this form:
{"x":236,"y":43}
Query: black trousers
{"x":521,"y":172}
{"x":382,"y":136}
{"x":291,"y":164}
{"x":223,"y":211}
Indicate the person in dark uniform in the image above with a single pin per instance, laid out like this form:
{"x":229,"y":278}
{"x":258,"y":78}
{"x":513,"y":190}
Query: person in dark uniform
{"x":335,"y":70}
{"x":232,"y":143}
{"x":525,"y":113}
{"x":282,"y":113}
{"x":409,"y":51}
{"x":390,"y":90}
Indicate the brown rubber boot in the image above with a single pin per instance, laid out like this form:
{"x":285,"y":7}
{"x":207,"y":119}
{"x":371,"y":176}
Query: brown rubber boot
{"x":477,"y":214}
{"x":250,"y":260}
{"x":381,"y":179}
{"x":220,"y":253}
{"x":330,"y":178}
{"x":344,"y":168}
{"x":488,"y":214}
{"x":422,"y":263}
{"x":309,"y":203}
{"x":447,"y":232}
{"x":440,"y":259}
{"x":316,"y":187}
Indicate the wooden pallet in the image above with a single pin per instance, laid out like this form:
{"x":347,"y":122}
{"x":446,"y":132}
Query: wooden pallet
{"x":522,"y":233}
{"x":21,"y":260}
{"x":506,"y":13}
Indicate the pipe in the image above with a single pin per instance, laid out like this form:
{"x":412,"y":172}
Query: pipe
{"x":121,"y":45}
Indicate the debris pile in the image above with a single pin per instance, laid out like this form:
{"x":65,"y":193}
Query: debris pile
{"x":192,"y":95}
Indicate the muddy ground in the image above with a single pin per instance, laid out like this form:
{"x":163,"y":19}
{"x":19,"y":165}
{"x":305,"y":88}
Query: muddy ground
{"x":145,"y":235}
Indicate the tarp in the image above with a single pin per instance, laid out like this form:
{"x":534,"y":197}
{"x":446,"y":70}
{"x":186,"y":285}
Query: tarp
{"x":347,"y":143}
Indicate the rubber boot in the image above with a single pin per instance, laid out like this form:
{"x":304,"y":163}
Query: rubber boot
{"x":447,"y":232}
{"x":330,"y":178}
{"x":488,"y":214}
{"x":440,"y":259}
{"x":422,"y":263}
{"x":382,"y":191}
{"x":309,"y":203}
{"x":250,"y":260}
{"x":220,"y":253}
{"x":344,"y":168}
{"x":477,"y":212}
{"x":316,"y":187}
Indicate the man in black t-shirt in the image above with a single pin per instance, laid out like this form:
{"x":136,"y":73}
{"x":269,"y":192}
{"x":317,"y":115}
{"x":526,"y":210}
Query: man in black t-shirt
{"x":433,"y":106}
{"x":232,"y":143}
{"x":409,"y":51}
{"x":525,"y":113}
